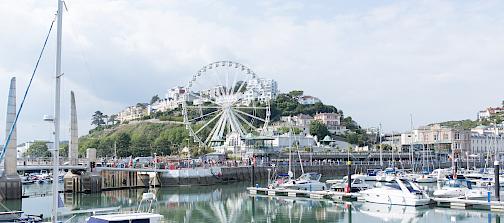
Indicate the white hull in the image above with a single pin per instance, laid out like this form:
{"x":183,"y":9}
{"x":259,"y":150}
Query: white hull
{"x":398,"y":199}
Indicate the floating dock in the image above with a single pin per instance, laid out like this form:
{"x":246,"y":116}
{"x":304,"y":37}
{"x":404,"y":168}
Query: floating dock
{"x":454,"y":203}
{"x":332,"y":195}
{"x":457,"y":203}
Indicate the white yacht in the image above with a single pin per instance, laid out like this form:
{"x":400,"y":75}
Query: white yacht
{"x":388,"y":174}
{"x":307,"y":181}
{"x":460,"y":188}
{"x":397,"y":192}
{"x":440,"y":174}
{"x":358,"y":184}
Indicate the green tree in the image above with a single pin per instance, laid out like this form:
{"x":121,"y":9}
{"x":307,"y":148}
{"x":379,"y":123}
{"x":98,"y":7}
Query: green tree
{"x":154,"y":99}
{"x":38,"y":149}
{"x":123,"y":142}
{"x":97,"y":119}
{"x":63,"y":152}
{"x":296,"y":93}
{"x":112,"y":119}
{"x":319,"y":129}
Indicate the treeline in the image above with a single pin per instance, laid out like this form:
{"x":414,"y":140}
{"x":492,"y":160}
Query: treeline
{"x":141,"y":139}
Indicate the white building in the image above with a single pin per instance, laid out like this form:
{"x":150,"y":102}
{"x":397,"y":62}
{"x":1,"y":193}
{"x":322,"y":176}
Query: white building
{"x":332,"y":121}
{"x":308,"y":100}
{"x":437,"y":137}
{"x":482,"y":144}
{"x":300,"y":121}
{"x":488,"y":112}
{"x":132,"y":113}
{"x":260,"y":89}
{"x":283,"y":141}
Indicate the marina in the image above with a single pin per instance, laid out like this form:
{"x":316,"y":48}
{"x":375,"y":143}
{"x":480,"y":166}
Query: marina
{"x":223,"y":141}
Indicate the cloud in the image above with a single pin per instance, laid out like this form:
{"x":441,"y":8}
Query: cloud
{"x":378,"y":62}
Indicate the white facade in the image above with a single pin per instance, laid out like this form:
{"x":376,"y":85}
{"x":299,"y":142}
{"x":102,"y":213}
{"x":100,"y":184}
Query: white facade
{"x":332,"y":121}
{"x":308,"y":100}
{"x":132,"y":113}
{"x":260,"y":89}
{"x":300,"y":121}
{"x":437,"y":137}
{"x":486,"y":143}
{"x":488,"y":112}
{"x":283,"y":141}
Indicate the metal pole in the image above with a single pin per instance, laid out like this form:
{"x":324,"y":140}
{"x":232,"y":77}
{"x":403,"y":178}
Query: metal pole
{"x":54,"y":216}
{"x":381,"y":151}
{"x":496,"y":176}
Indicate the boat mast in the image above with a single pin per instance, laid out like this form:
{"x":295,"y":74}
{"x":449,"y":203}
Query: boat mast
{"x":381,"y":150}
{"x":54,"y":215}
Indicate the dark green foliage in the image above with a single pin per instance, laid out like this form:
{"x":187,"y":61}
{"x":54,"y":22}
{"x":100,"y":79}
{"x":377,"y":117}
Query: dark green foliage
{"x":142,"y":139}
{"x":319,"y":129}
{"x":154,"y":99}
{"x":296,"y":93}
{"x":463,"y":124}
{"x":287,"y":105}
{"x":97,"y":119}
{"x":38,"y":149}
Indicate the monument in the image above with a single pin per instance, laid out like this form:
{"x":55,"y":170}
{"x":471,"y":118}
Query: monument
{"x":10,"y":182}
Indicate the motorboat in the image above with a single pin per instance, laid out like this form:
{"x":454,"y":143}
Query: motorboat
{"x":397,"y":192}
{"x":307,"y":181}
{"x":371,"y":174}
{"x":440,"y":174}
{"x":358,"y":184}
{"x":425,"y":178}
{"x":388,"y":174}
{"x":144,"y":213}
{"x":278,"y":180}
{"x":460,"y":188}
{"x":26,"y":179}
{"x":127,"y":217}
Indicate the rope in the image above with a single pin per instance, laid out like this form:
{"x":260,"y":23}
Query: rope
{"x":4,"y":149}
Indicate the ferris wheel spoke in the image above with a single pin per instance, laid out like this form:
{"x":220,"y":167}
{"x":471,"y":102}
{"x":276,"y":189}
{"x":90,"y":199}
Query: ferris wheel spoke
{"x":205,"y":115}
{"x":235,"y":124}
{"x":249,"y":107}
{"x":245,"y":121}
{"x":214,"y":129}
{"x":203,"y":106}
{"x":249,"y":115}
{"x":208,"y":123}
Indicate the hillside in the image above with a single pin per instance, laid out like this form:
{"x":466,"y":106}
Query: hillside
{"x":142,"y":138}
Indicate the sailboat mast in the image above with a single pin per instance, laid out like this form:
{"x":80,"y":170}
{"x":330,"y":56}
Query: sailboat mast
{"x":381,"y":149}
{"x":54,"y":214}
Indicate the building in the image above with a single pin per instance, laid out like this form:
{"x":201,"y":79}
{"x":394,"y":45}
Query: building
{"x":332,"y":121}
{"x":163,"y":105}
{"x":437,"y":138}
{"x":486,"y":143}
{"x":489,"y":112}
{"x":284,"y":141}
{"x":132,"y":113}
{"x":22,"y":148}
{"x":308,"y":100}
{"x":260,"y":89}
{"x":175,"y":94}
{"x":300,"y":121}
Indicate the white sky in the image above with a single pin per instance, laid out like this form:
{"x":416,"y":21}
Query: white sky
{"x":378,"y":61}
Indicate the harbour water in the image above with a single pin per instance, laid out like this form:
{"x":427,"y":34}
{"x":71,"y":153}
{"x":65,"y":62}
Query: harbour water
{"x":232,"y":203}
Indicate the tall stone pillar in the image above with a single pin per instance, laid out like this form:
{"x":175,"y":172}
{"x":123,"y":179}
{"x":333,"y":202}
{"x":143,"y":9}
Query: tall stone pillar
{"x":72,"y":181}
{"x":10,"y":183}
{"x":74,"y":133}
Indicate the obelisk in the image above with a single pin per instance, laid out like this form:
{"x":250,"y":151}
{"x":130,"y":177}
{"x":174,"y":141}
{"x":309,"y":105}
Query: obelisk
{"x":10,"y":183}
{"x":74,"y":133}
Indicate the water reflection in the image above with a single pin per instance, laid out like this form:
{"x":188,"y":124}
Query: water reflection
{"x":232,"y":203}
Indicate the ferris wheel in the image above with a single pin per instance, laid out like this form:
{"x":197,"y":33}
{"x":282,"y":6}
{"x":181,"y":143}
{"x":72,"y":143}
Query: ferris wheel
{"x":224,"y":99}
